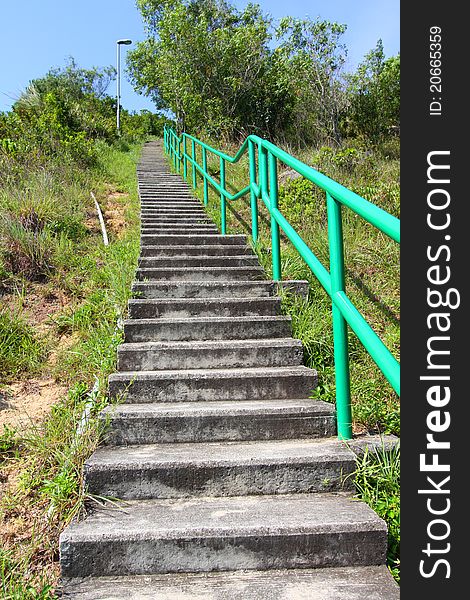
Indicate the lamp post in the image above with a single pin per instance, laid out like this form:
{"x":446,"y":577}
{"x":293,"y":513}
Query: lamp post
{"x":119,"y":43}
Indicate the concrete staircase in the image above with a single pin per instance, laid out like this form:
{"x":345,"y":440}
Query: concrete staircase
{"x":231,"y":482}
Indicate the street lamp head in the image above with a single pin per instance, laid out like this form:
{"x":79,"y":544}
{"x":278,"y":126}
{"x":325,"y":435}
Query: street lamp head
{"x":125,"y":42}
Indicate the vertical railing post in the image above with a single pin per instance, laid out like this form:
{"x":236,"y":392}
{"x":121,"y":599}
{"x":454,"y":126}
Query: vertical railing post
{"x":204,"y":168}
{"x":340,"y":328}
{"x":174,"y":150}
{"x":223,"y":200}
{"x":275,"y":237}
{"x":193,"y":156}
{"x":253,"y":197}
{"x":185,"y":160}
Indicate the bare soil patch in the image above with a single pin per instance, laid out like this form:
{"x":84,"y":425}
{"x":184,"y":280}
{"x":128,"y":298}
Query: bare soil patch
{"x":115,"y":212}
{"x":27,"y":402}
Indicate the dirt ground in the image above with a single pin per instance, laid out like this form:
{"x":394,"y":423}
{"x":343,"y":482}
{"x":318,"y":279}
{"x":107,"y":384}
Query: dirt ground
{"x":27,"y":402}
{"x":114,"y":212}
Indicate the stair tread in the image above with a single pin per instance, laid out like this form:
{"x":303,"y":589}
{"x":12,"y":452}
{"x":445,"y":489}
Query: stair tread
{"x":333,"y":583}
{"x":251,"y":319}
{"x":209,"y":344}
{"x":206,"y":300}
{"x":208,"y":373}
{"x":219,"y":517}
{"x":197,"y":455}
{"x":281,"y":407}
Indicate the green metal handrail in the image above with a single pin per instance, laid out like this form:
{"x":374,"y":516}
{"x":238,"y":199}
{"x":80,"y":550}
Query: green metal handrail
{"x":263,"y":167}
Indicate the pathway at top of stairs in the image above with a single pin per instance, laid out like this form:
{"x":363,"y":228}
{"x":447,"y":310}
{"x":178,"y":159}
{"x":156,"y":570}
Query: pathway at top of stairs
{"x":232,"y":485}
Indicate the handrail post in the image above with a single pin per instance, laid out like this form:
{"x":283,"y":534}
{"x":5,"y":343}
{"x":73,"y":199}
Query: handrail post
{"x":185,"y":161}
{"x":223,"y":200}
{"x":193,"y":156}
{"x":340,"y":328}
{"x":204,"y":168}
{"x":253,"y":197}
{"x":275,"y":237}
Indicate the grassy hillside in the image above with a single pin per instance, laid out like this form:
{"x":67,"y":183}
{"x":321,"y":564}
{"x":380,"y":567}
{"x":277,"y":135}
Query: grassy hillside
{"x":63,"y":293}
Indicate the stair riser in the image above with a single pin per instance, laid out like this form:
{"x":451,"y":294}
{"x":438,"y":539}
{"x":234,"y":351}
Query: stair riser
{"x":235,"y":261}
{"x":204,"y":308}
{"x":156,"y":240}
{"x":221,"y":289}
{"x":207,"y":389}
{"x":177,"y":229}
{"x":204,"y":553}
{"x":155,"y":331}
{"x":155,"y":198}
{"x":168,"y":198}
{"x":159,"y":209}
{"x":190,"y":251}
{"x":234,"y":480}
{"x":174,"y":219}
{"x":203,"y":274}
{"x":174,"y":204}
{"x":228,"y":428}
{"x":140,"y":360}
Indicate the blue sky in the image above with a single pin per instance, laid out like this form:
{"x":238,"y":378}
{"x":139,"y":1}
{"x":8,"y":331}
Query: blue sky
{"x":40,"y":34}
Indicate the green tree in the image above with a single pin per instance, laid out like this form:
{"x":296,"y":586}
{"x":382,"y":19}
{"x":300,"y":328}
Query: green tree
{"x":374,"y":92}
{"x":314,"y":57}
{"x":210,"y":64}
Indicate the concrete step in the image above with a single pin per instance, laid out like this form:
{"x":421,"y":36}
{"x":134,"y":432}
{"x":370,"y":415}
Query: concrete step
{"x":188,"y":470}
{"x":191,"y":209}
{"x":161,"y":191}
{"x":148,"y":199}
{"x":175,"y":308}
{"x":153,"y":262}
{"x":340,"y":583}
{"x":172,"y":214}
{"x":166,"y":198}
{"x":182,"y":203}
{"x":168,"y":422}
{"x":166,"y":195}
{"x":174,"y":220}
{"x":180,"y":229}
{"x":157,"y":356}
{"x":193,"y":385}
{"x":191,"y":239}
{"x":200,"y":273}
{"x":213,"y":289}
{"x":206,"y":328}
{"x":199,"y":225}
{"x":223,"y":534}
{"x":186,"y":250}
{"x":172,"y":209}
{"x":161,"y":205}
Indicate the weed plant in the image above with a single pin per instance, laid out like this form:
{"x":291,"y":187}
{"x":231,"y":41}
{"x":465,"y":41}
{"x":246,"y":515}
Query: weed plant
{"x":21,"y":349}
{"x":377,"y":480}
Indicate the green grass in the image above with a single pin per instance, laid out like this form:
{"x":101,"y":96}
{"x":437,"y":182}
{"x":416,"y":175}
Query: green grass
{"x":13,"y":587}
{"x":377,"y":480}
{"x":21,"y":349}
{"x":47,"y":458}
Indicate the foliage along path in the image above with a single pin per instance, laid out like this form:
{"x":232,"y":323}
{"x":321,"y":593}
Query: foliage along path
{"x":231,"y":484}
